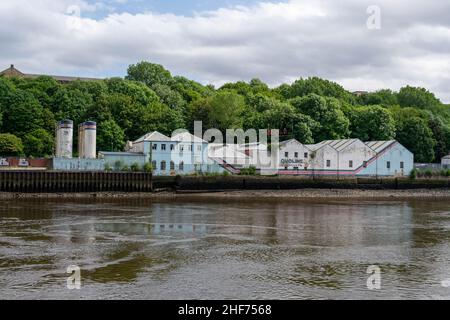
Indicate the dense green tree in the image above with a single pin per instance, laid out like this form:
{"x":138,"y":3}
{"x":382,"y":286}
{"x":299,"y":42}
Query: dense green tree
{"x":309,"y":110}
{"x":190,"y":90}
{"x":149,"y":73}
{"x":71,"y":104}
{"x":222,"y":111}
{"x":271,"y":113}
{"x":383,"y":97}
{"x":441,"y":134}
{"x":417,"y":98}
{"x":23,"y":113}
{"x":38,"y":143}
{"x":414,"y":133}
{"x":10,"y":145}
{"x":42,"y":88}
{"x":326,"y":111}
{"x":321,"y":87}
{"x":110,"y":136}
{"x":159,"y":117}
{"x":371,"y":123}
{"x":137,"y":91}
{"x":169,"y":97}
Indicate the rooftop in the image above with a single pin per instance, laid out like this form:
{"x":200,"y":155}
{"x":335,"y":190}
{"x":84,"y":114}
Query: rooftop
{"x":13,"y":72}
{"x":379,"y":146}
{"x":154,"y":136}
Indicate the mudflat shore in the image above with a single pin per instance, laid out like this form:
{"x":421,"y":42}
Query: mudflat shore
{"x":247,"y":194}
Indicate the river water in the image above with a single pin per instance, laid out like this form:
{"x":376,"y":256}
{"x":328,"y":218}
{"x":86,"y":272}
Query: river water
{"x":224,"y":249}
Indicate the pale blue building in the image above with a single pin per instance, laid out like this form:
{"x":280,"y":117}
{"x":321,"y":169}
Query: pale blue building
{"x":392,"y":159}
{"x":183,"y":154}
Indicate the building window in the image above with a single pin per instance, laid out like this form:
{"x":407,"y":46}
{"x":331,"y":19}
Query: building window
{"x":172,"y":147}
{"x":172,"y":166}
{"x":286,"y":154}
{"x":328,"y":163}
{"x":306,"y":155}
{"x":163,"y":147}
{"x":199,"y":148}
{"x":402,"y":165}
{"x":190,"y":148}
{"x":155,"y":147}
{"x":388,"y":164}
{"x":181,"y":148}
{"x":154,"y":165}
{"x":181,"y":166}
{"x":350,"y":164}
{"x":296,"y":155}
{"x":365,"y":164}
{"x":163,"y":166}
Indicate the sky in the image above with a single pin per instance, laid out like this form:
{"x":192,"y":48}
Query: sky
{"x":361,"y":44}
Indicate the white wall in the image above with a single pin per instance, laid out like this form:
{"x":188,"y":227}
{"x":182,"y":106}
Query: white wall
{"x":291,"y":161}
{"x":358,"y":152}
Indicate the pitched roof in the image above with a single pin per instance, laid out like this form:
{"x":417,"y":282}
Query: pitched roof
{"x":187,"y":137}
{"x":13,"y":72}
{"x":379,"y":146}
{"x":341,"y":144}
{"x":154,"y":136}
{"x":283,"y":143}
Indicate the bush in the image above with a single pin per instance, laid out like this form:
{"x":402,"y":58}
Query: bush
{"x":428,"y":173}
{"x":135,"y":167}
{"x":225,"y":173}
{"x":108,"y":168}
{"x":248,"y":171}
{"x":118,"y":165}
{"x":10,"y":145}
{"x":413,"y":174}
{"x":125,"y":168}
{"x":148,"y":167}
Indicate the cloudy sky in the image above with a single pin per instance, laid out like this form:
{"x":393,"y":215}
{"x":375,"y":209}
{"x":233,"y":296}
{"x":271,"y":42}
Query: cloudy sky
{"x":229,"y":40}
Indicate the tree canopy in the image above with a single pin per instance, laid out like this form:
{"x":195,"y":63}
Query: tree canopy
{"x":151,"y":98}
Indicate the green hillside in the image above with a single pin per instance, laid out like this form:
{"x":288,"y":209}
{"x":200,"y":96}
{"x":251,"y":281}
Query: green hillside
{"x":150,"y":98}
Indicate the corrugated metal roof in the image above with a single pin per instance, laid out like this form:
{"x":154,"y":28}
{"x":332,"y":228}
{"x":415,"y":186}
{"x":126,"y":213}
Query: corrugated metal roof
{"x":379,"y":146}
{"x":341,"y":144}
{"x":338,"y":145}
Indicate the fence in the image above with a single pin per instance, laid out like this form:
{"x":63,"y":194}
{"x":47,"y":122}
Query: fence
{"x":54,"y":182}
{"x":67,"y":182}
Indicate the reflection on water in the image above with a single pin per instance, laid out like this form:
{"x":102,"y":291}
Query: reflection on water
{"x":224,"y":249}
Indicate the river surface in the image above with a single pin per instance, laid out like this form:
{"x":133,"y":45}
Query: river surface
{"x":225,"y":249}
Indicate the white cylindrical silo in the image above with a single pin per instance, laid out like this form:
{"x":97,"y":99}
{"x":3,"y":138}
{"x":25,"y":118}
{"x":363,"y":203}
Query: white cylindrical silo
{"x":64,"y":139}
{"x":87,"y":144}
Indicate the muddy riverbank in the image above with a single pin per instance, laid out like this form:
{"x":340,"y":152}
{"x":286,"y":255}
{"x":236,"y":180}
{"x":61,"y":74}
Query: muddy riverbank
{"x":247,"y":194}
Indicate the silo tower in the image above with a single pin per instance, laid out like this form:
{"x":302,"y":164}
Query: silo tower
{"x":87,"y":142}
{"x":64,"y":139}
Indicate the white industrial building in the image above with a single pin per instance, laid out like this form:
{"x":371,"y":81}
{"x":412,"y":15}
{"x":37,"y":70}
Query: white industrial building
{"x":350,"y":157}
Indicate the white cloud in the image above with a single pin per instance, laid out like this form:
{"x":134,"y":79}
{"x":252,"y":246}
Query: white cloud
{"x":276,"y":42}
